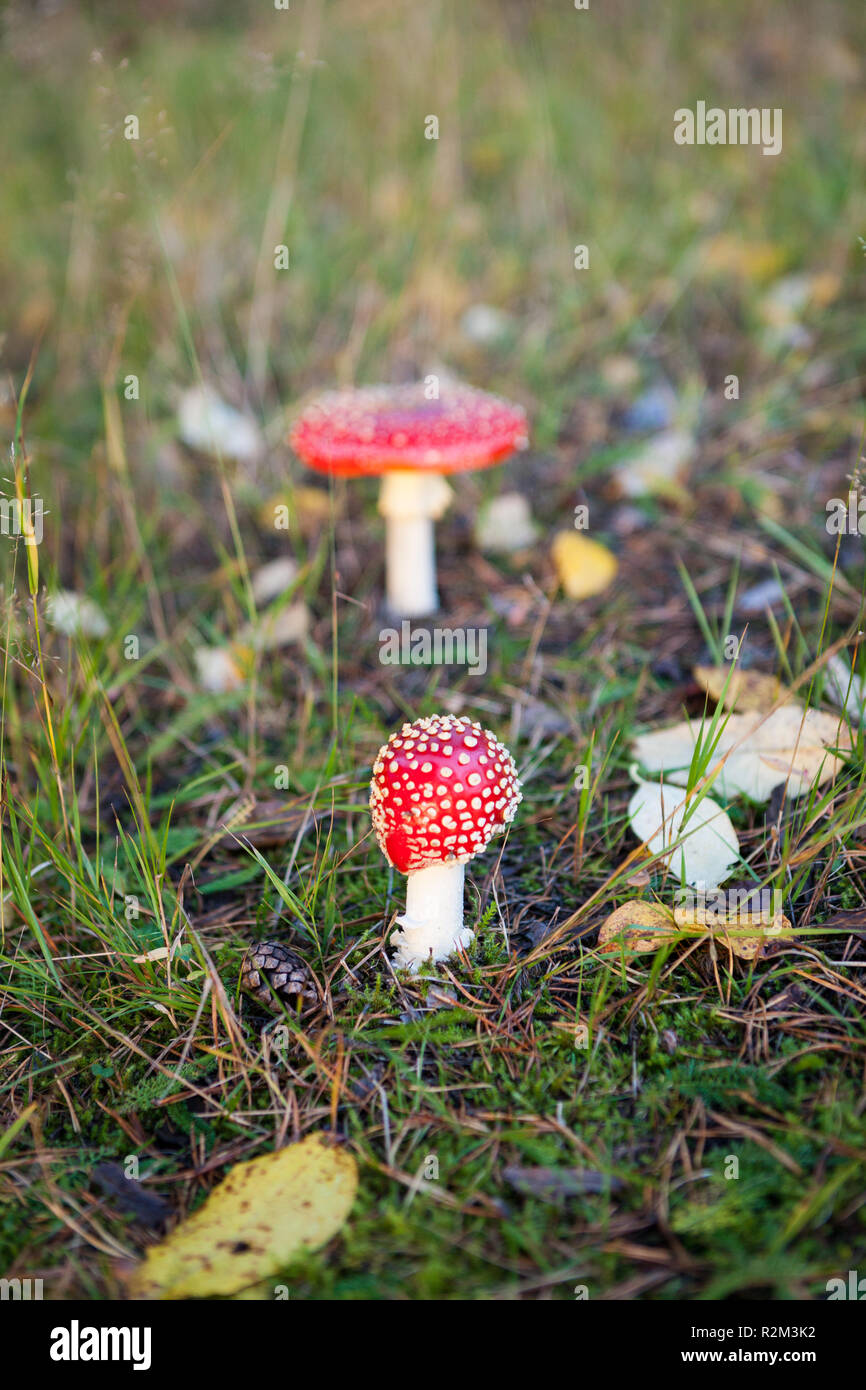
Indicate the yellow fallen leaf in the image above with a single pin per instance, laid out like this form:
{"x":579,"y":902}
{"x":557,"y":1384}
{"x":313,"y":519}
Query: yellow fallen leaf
{"x":826,"y":286}
{"x":252,"y":1224}
{"x":309,"y":507}
{"x":485,"y":158}
{"x":642,"y":926}
{"x":750,"y":947}
{"x":746,"y":260}
{"x":727,"y":909}
{"x":585,"y":567}
{"x":314,"y":504}
{"x":731,"y":928}
{"x":747,"y":690}
{"x":637,"y":926}
{"x":391,"y":198}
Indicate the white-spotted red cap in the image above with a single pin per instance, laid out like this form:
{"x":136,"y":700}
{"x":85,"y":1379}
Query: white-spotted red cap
{"x":378,"y":429}
{"x":441,"y":788}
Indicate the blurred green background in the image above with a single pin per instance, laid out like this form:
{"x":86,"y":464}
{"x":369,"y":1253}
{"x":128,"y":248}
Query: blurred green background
{"x":307,"y":127}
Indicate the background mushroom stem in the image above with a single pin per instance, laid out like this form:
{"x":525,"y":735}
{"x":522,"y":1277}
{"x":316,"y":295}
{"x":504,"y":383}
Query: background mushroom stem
{"x":410,"y":503}
{"x":433,"y":921}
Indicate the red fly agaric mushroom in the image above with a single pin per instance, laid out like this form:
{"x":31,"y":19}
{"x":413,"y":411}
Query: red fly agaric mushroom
{"x":441,"y":788}
{"x":412,"y":440}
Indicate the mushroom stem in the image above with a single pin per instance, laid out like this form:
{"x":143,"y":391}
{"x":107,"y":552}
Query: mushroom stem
{"x":410,"y":565}
{"x":410,"y":503}
{"x":433,"y":921}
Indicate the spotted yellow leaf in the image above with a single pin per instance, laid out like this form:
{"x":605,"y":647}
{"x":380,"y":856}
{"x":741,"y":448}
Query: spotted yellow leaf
{"x":745,"y":932}
{"x":262,"y":1214}
{"x":585,"y":567}
{"x":640,"y":926}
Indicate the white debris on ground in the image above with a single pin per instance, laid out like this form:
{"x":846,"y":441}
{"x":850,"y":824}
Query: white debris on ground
{"x":278,"y":627}
{"x":658,"y":464}
{"x":764,"y":595}
{"x":75,"y":614}
{"x":273,"y":579}
{"x":227,"y":668}
{"x":785,"y":304}
{"x":483,"y":324}
{"x":844,"y":687}
{"x":505,"y":524}
{"x":207,"y":423}
{"x":218,"y":671}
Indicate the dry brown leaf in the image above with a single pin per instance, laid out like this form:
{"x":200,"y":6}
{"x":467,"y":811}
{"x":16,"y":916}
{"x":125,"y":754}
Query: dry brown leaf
{"x":703,"y":914}
{"x":158,"y":953}
{"x":223,"y":669}
{"x":750,"y":947}
{"x":642,"y":926}
{"x":636,"y":926}
{"x":272,"y":580}
{"x":744,"y":930}
{"x":746,"y":690}
{"x":209,"y":424}
{"x":505,"y":525}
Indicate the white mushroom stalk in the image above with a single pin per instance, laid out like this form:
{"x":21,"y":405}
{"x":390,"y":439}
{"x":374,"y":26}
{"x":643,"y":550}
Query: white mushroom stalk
{"x":410,"y":504}
{"x":442,"y":788}
{"x":433,"y":921}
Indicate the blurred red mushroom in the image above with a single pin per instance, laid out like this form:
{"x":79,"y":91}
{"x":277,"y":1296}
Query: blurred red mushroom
{"x":441,"y":788}
{"x":412,"y":440}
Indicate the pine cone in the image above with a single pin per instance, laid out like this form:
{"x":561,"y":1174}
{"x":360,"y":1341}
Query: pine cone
{"x":271,"y":971}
